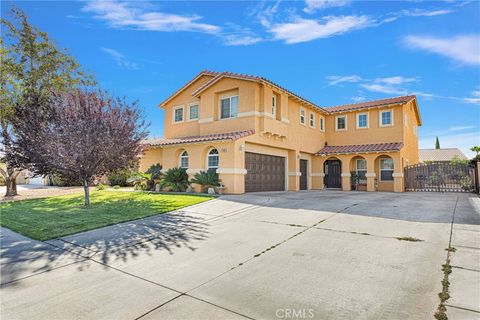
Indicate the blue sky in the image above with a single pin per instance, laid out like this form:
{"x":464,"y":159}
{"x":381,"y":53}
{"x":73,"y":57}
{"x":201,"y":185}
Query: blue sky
{"x":330,"y":52}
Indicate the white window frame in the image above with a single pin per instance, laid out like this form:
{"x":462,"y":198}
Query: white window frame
{"x":356,"y":165}
{"x":358,"y":120}
{"x":311,"y":120}
{"x":274,"y":105}
{"x":184,"y":155}
{"x":321,"y":124}
{"x":406,"y":120}
{"x":336,"y":123}
{"x":198,"y":111}
{"x":303,"y":116}
{"x":380,"y":167}
{"x":220,"y":107}
{"x":381,"y":112}
{"x":211,"y":155}
{"x":174,"y":109}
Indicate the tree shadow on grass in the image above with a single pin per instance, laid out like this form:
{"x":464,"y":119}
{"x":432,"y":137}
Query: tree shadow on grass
{"x":22,"y":257}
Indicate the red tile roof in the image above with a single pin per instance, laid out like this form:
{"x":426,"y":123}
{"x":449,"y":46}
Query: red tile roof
{"x":361,"y":148}
{"x":370,"y":104}
{"x":206,"y":138}
{"x":219,"y":75}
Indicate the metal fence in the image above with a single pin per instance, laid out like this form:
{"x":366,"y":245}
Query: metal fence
{"x":441,"y":177}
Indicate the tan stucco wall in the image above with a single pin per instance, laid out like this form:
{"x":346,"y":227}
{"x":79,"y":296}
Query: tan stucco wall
{"x":281,"y":134}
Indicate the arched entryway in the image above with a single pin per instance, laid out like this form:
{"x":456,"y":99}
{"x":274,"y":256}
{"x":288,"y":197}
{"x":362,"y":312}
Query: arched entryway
{"x":332,"y":167}
{"x":358,"y":165}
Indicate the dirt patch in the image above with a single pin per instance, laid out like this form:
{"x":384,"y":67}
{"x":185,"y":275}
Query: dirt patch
{"x":43,"y":192}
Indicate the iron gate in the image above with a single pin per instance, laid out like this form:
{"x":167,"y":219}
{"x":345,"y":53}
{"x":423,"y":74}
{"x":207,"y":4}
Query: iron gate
{"x":441,"y":177}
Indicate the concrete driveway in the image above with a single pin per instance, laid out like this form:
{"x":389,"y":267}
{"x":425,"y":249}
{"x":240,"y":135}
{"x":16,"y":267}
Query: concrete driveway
{"x":304,"y":255}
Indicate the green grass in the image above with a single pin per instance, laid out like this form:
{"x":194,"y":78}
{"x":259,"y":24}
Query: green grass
{"x":54,"y":217}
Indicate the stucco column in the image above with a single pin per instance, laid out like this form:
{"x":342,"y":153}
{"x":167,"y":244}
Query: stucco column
{"x":398,"y":182}
{"x":370,"y":181}
{"x":371,"y":175}
{"x":317,"y":173}
{"x":293,"y":170}
{"x":346,"y":184}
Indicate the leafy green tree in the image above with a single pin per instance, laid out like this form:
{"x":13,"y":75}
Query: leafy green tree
{"x":30,"y":63}
{"x":175,"y":179}
{"x":477,"y":150}
{"x":437,"y":144}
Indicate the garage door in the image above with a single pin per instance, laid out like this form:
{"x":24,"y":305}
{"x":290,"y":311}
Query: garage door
{"x":264,"y":172}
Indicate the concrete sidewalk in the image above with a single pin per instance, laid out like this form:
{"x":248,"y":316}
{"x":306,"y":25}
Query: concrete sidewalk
{"x":326,"y":255}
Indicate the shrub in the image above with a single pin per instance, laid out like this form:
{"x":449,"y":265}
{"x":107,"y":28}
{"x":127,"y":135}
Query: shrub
{"x":146,"y":179}
{"x":100,"y":187}
{"x":116,"y":187}
{"x":59,"y":181}
{"x":2,"y":180}
{"x":175,"y":179}
{"x":119,"y":177}
{"x":206,"y":179}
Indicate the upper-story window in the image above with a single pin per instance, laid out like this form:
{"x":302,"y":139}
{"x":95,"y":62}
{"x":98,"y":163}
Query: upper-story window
{"x":274,"y":106}
{"x":406,"y":119}
{"x":386,"y":169}
{"x":362,"y":120}
{"x":229,"y":107}
{"x":302,"y":116}
{"x":193,"y":112}
{"x":322,"y":124}
{"x":184,"y":160}
{"x":341,"y":123}
{"x":312,"y":120}
{"x":212,"y":159}
{"x":178,"y":114}
{"x":386,"y":118}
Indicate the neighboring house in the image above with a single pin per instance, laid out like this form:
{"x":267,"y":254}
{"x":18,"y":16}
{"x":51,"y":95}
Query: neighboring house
{"x":443,"y":155}
{"x":259,"y":136}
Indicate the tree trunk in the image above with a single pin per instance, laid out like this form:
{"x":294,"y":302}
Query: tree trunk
{"x":11,"y":183}
{"x":87,"y":192}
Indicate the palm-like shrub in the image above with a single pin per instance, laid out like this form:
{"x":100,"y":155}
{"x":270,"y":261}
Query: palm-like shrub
{"x":175,"y":179}
{"x":146,"y":180}
{"x":206,"y":179}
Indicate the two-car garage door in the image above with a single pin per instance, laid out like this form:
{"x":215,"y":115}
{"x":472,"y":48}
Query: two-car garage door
{"x":264,"y":172}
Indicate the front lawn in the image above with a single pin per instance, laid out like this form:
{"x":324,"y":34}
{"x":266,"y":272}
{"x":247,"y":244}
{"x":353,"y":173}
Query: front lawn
{"x":54,"y":217}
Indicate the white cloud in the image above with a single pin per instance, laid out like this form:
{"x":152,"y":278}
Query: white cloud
{"x":375,"y":87}
{"x":460,"y":128}
{"x":424,"y":13}
{"x":120,"y":59}
{"x":301,"y":30}
{"x":334,"y":80}
{"x":314,"y":5}
{"x":240,"y":40}
{"x":475,"y":97}
{"x":141,"y":17}
{"x":388,"y":85}
{"x":464,"y":49}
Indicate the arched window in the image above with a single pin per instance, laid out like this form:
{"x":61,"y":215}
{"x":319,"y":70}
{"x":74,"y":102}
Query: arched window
{"x":184,"y":160}
{"x":212,"y":159}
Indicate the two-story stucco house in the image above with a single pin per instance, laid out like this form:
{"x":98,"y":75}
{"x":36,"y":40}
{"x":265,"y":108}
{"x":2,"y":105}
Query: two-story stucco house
{"x":259,"y":136}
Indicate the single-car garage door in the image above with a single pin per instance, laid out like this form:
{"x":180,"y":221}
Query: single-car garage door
{"x":264,"y":172}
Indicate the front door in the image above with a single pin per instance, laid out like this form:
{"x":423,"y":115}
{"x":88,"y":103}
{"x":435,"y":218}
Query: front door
{"x":304,"y":175}
{"x":333,"y":178}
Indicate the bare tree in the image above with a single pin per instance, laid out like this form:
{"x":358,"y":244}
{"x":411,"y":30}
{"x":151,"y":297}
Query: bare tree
{"x":77,"y":135}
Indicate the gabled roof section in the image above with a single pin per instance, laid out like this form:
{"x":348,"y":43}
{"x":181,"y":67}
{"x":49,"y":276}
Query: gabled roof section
{"x":195,"y":139}
{"x":446,"y":154}
{"x":370,"y":104}
{"x":202,"y":73}
{"x":262,"y":80}
{"x":360,"y":148}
